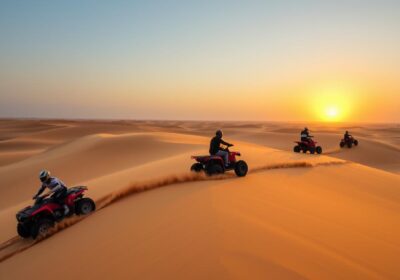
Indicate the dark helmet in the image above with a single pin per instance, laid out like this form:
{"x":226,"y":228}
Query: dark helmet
{"x":306,"y":128}
{"x":44,"y":175}
{"x":219,"y":133}
{"x":347,"y":132}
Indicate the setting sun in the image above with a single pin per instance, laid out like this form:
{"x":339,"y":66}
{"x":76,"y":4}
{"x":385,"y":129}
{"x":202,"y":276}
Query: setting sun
{"x":333,"y":103}
{"x":332,"y":113}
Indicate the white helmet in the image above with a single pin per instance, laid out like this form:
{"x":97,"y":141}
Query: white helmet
{"x":44,"y":175}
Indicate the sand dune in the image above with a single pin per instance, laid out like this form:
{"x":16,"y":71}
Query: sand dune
{"x":294,"y":216}
{"x":264,"y":222}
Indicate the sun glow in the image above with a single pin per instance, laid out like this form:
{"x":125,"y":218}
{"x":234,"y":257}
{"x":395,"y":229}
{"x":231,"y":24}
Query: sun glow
{"x":332,"y":104}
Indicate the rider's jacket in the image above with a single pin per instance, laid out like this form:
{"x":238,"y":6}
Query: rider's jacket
{"x":304,"y":134}
{"x":215,"y":144}
{"x":53,"y":184}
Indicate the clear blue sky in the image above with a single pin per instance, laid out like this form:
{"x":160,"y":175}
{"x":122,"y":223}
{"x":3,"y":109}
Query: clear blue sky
{"x":196,"y":59}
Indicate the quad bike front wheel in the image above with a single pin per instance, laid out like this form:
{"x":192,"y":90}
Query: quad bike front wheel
{"x":318,"y":150}
{"x":356,"y":142}
{"x":23,"y":230}
{"x":41,"y":228}
{"x":341,"y":144}
{"x":196,"y":167}
{"x":84,"y":206}
{"x":241,"y":168}
{"x":296,"y":149}
{"x":312,"y":150}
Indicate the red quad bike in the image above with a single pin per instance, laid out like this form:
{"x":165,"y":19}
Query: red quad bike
{"x":36,"y":220}
{"x":349,"y":142}
{"x":213,"y":165}
{"x":305,"y":146}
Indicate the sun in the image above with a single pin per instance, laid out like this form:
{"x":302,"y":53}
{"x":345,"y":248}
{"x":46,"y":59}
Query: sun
{"x":332,"y":103}
{"x":332,"y":113}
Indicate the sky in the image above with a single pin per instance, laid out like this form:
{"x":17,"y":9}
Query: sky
{"x":280,"y":60}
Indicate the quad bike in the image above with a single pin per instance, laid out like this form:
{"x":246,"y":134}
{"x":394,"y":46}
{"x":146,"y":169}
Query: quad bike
{"x":349,"y":142}
{"x":37,"y":220}
{"x":213,"y":164}
{"x":305,"y":146}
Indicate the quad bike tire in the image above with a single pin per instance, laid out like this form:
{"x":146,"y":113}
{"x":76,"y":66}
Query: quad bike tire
{"x":41,"y":228}
{"x":84,"y":206}
{"x":349,"y":145}
{"x":318,"y":150}
{"x":214,"y":169}
{"x":312,"y":150}
{"x":356,"y":142}
{"x":241,"y":168}
{"x":342,"y":144}
{"x":23,"y":230}
{"x":196,"y":167}
{"x":296,"y":149}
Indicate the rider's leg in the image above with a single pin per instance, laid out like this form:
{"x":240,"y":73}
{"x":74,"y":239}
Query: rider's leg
{"x":224,"y":155}
{"x":59,"y":198}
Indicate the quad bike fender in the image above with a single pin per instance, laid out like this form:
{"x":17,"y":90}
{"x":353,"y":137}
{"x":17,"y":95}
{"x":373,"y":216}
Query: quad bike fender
{"x":72,"y":197}
{"x":205,"y":159}
{"x":43,"y":212}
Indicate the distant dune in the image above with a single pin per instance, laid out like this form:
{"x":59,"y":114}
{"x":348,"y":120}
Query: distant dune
{"x":294,"y":216}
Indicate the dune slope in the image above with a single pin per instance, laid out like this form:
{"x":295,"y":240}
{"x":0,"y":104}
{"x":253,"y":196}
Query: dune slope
{"x":270,"y":224}
{"x":294,"y":216}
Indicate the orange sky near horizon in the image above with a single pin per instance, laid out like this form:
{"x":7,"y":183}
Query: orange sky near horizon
{"x":330,"y":61}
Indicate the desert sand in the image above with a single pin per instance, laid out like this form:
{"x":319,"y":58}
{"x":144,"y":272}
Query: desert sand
{"x":294,"y":216}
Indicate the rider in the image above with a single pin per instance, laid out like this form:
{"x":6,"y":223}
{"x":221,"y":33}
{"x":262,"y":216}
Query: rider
{"x":215,"y":148}
{"x":305,"y":135}
{"x":347,"y":136}
{"x":56,"y":186}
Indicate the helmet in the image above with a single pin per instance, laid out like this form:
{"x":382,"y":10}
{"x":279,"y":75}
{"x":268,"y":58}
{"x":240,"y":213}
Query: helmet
{"x":44,"y":175}
{"x":347,"y":132}
{"x":219,"y":133}
{"x":306,"y":128}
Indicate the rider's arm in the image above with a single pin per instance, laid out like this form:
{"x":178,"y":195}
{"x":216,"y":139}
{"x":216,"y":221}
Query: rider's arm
{"x":225,"y":143}
{"x":42,"y":188}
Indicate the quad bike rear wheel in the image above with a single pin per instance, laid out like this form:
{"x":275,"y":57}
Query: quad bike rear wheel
{"x":318,"y":150}
{"x":196,"y":167}
{"x":296,"y":149}
{"x":214,"y":169}
{"x":241,"y":168}
{"x":23,"y":230}
{"x":84,"y":206}
{"x":41,"y":228}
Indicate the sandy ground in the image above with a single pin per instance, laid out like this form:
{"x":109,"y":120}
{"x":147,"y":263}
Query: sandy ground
{"x":295,"y":216}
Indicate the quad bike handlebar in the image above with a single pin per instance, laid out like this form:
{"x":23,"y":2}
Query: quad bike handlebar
{"x":40,"y":197}
{"x":227,"y":147}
